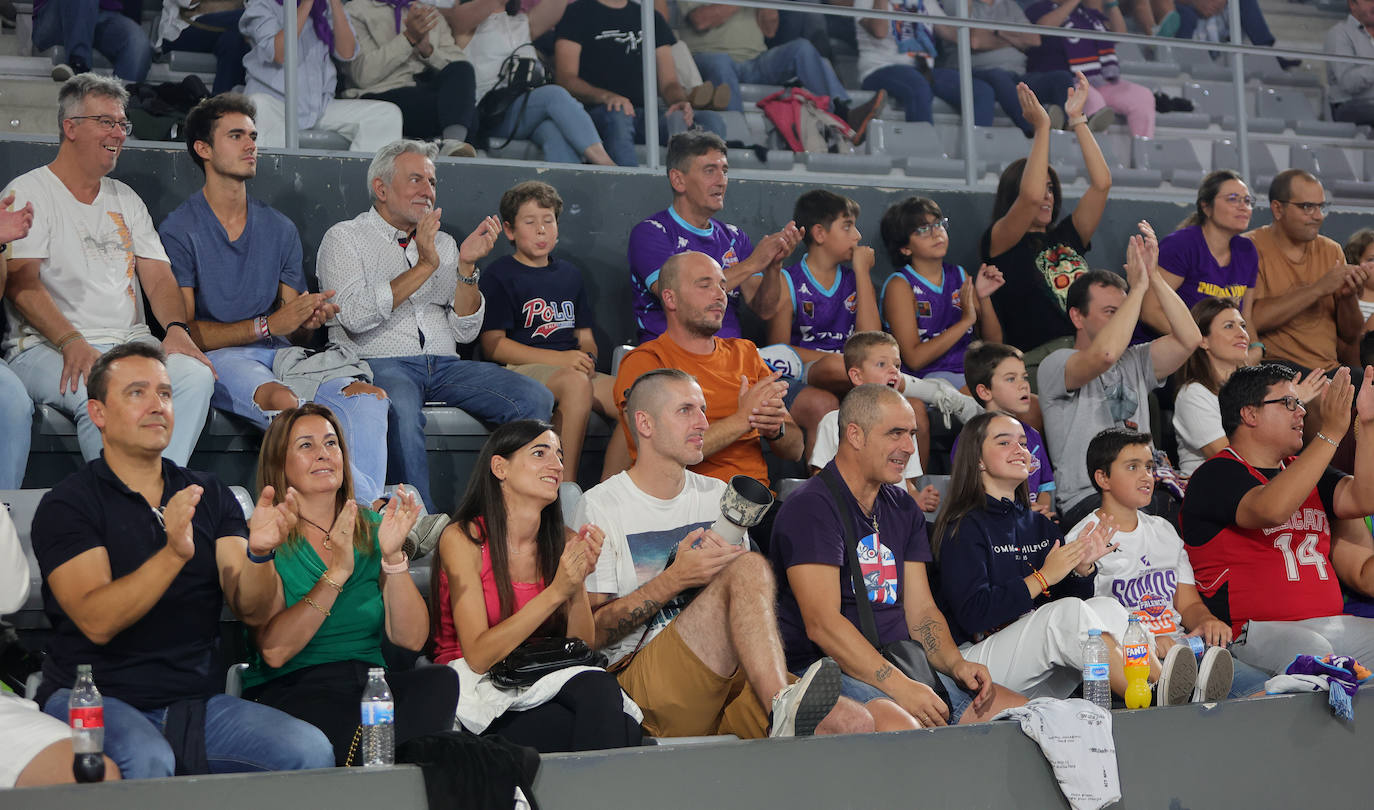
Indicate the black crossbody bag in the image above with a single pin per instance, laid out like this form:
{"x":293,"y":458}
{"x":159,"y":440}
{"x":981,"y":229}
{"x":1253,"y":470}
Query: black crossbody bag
{"x":907,"y":655}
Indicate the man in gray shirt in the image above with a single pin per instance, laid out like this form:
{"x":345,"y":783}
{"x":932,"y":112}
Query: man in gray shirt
{"x":1351,"y":86}
{"x":1103,"y":381}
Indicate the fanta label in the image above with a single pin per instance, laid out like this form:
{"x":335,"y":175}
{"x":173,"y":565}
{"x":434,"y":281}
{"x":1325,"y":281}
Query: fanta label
{"x":377,"y":713}
{"x":87,"y":717}
{"x":1096,"y":672}
{"x":1136,"y":655}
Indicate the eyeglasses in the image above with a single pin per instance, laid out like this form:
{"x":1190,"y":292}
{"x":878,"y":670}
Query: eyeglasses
{"x":1240,"y":199}
{"x":929,"y":227}
{"x":1308,"y":207}
{"x":1291,"y":403}
{"x":106,"y":122}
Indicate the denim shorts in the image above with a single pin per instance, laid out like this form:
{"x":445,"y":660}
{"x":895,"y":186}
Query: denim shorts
{"x":860,"y":692}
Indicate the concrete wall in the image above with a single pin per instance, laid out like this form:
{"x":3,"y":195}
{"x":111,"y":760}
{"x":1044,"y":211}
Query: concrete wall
{"x":1275,"y":753}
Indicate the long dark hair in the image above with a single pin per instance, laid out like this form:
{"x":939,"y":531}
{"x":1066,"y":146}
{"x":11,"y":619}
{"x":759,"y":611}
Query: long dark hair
{"x":1009,"y":188}
{"x":485,"y":501}
{"x":1198,"y":367}
{"x":1207,"y":195}
{"x":966,"y":492}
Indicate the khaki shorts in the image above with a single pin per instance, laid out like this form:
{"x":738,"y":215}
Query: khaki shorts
{"x":682,"y":697}
{"x":543,"y":371}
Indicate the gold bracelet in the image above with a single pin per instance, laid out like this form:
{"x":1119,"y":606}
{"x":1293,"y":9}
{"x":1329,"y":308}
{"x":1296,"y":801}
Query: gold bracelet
{"x":331,"y":583}
{"x":316,"y":605}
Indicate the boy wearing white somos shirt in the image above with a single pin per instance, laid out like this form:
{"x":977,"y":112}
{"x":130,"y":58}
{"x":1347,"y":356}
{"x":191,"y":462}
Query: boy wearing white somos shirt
{"x":1149,"y":573}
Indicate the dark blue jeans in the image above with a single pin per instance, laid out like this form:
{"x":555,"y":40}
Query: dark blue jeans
{"x":82,"y":25}
{"x":1051,"y":87}
{"x":438,"y":101}
{"x":228,"y":46}
{"x":620,"y":132}
{"x":907,"y":85}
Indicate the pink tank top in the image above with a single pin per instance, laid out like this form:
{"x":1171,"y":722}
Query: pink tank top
{"x":446,"y":647}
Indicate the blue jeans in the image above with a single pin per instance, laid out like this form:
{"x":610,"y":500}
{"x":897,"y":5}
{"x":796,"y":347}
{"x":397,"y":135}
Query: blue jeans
{"x":1246,"y":680}
{"x":620,"y":132}
{"x":1051,"y":87}
{"x":798,"y":58}
{"x":80,"y":25}
{"x":40,"y":367}
{"x":16,"y":425}
{"x":240,"y":737}
{"x":485,"y":390}
{"x":244,"y":369}
{"x":860,"y":692}
{"x":228,"y":46}
{"x":552,"y":118}
{"x":1252,"y":22}
{"x":905,"y":84}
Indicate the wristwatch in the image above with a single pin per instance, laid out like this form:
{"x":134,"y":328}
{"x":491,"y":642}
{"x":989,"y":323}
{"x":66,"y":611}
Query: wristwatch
{"x":782,"y":431}
{"x":471,"y":281}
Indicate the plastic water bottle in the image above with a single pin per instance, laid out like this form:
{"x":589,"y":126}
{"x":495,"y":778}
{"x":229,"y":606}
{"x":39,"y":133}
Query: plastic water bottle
{"x":378,"y":720}
{"x":1135,"y":649}
{"x":1097,"y":687}
{"x":86,"y":714}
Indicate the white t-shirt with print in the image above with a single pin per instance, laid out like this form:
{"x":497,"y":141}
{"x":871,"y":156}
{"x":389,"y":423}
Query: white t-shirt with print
{"x":640,"y":532}
{"x":880,"y":52}
{"x":88,"y":254}
{"x":828,"y":444}
{"x":1144,"y":573}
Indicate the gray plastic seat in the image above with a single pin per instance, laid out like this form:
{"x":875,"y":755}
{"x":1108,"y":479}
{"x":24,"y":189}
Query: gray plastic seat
{"x":514,"y":150}
{"x":1327,"y":162}
{"x":323,"y":139}
{"x":1219,"y":102}
{"x":995,"y":147}
{"x":774,"y":159}
{"x":1295,"y":109}
{"x":845,"y":164}
{"x":1173,"y":157}
{"x":904,"y":139}
{"x":1226,"y":155}
{"x":1123,"y":174}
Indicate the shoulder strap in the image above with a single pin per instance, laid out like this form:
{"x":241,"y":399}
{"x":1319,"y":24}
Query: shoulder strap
{"x":851,"y":544}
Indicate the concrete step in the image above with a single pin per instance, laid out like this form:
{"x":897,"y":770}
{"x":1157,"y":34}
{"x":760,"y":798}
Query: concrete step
{"x":40,"y":92}
{"x":28,"y":120}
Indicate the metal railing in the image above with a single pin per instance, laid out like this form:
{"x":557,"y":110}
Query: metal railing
{"x":1236,"y":49}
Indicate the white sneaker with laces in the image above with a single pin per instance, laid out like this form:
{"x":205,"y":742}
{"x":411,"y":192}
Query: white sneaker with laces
{"x":1177,"y":677}
{"x":1214,"y":675}
{"x":799,"y":707}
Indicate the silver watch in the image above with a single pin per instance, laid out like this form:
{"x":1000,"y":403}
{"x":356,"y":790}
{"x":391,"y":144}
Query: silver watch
{"x":471,"y":281}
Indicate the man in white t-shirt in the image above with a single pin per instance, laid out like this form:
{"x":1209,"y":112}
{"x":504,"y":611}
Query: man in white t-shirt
{"x":711,"y":665}
{"x":77,"y":280}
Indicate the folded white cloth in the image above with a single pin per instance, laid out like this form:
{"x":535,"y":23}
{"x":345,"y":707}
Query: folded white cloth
{"x":480,"y":701}
{"x":1076,"y":738}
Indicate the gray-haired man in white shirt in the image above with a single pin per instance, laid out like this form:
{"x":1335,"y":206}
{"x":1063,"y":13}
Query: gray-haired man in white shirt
{"x":408,"y":295}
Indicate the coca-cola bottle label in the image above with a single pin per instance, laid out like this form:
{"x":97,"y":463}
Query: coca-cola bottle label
{"x":87,"y":717}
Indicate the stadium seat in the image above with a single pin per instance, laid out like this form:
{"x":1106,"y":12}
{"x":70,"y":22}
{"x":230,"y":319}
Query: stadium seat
{"x":569,"y":496}
{"x":1219,"y":102}
{"x":1226,"y":155}
{"x":786,"y":486}
{"x":1295,"y":109}
{"x":233,"y":680}
{"x":1126,"y":175}
{"x":995,"y":147}
{"x":1173,"y":157}
{"x":22,"y":503}
{"x":774,"y":159}
{"x":1325,"y":161}
{"x":845,"y":164}
{"x":323,"y":139}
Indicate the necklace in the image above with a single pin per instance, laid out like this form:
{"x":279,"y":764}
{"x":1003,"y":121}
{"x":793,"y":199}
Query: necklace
{"x":327,"y":546}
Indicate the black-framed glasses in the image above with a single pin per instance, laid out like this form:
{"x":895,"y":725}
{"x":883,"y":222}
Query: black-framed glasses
{"x":1309,"y":207}
{"x":928,"y":228}
{"x":106,"y":122}
{"x":1291,"y":403}
{"x":1240,"y":199}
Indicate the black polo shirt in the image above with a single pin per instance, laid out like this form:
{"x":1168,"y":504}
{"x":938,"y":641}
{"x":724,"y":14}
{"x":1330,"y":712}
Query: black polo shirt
{"x":171,"y":653}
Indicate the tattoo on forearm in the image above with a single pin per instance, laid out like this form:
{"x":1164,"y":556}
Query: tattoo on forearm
{"x":927,"y":633}
{"x":882,"y":674}
{"x":631,"y":620}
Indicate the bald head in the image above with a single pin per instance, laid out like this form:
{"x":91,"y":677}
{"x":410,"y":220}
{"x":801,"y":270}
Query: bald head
{"x":650,"y":391}
{"x":682,"y":268}
{"x":666,"y":412}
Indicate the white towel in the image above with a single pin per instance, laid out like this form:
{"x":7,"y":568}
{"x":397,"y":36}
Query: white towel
{"x":1076,"y":738}
{"x":480,"y":701}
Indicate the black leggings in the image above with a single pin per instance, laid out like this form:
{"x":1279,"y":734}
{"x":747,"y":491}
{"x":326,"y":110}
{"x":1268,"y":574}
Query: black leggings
{"x":435,"y":101}
{"x":586,"y":715}
{"x":327,"y":697}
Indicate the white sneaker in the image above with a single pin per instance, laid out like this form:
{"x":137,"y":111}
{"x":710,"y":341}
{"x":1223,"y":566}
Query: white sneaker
{"x":947,"y":399}
{"x":1177,"y":677}
{"x":801,"y":706}
{"x":1214,"y":675}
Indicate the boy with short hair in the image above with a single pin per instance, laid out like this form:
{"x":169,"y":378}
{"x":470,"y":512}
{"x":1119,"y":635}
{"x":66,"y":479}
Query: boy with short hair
{"x":537,"y":322}
{"x":1150,"y":573}
{"x":871,"y":357}
{"x":997,"y":378}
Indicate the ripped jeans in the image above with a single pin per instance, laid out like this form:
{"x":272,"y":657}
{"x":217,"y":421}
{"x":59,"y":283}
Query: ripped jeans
{"x":244,"y":369}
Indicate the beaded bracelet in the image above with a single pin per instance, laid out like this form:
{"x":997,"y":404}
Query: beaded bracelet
{"x":398,"y":568}
{"x":1039,"y":577}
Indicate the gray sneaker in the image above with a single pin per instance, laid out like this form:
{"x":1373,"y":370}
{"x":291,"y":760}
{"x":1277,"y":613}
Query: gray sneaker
{"x":801,"y":706}
{"x":425,"y":535}
{"x":1177,"y":678}
{"x":1214,"y":675}
{"x":62,"y":71}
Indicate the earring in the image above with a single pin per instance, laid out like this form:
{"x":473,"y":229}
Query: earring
{"x":981,"y":467}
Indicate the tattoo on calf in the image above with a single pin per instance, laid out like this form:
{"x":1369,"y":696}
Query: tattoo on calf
{"x":882,"y":674}
{"x":633,"y":619}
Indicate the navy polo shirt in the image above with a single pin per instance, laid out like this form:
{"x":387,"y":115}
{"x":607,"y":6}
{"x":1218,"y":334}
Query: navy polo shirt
{"x":170,"y":654}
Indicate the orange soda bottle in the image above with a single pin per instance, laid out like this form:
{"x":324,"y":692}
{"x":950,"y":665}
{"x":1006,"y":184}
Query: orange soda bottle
{"x":1135,"y":648}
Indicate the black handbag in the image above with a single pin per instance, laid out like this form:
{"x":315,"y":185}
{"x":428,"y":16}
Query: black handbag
{"x":538,"y":657}
{"x":907,"y":655}
{"x":517,"y":77}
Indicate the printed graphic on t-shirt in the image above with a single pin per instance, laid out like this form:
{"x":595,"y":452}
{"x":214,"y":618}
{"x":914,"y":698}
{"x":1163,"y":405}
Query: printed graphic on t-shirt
{"x":630,"y":39}
{"x":550,"y":315}
{"x":1060,"y":266}
{"x":879,"y":569}
{"x":114,"y":248}
{"x":649,"y":551}
{"x":1214,"y":290}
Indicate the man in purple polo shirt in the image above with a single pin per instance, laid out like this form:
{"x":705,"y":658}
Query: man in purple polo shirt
{"x":697,"y":169}
{"x":80,"y":25}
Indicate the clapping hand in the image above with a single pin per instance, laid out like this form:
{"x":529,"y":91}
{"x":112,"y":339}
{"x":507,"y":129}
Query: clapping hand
{"x":398,"y":518}
{"x":176,"y":518}
{"x":270,"y":524}
{"x":989,"y":280}
{"x":1097,"y":542}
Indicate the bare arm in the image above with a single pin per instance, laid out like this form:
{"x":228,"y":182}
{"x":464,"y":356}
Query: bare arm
{"x":877,"y":27}
{"x":545,"y":15}
{"x":567,"y":66}
{"x":1056,"y":16}
{"x":1170,"y":352}
{"x":498,"y":348}
{"x":1271,"y":312}
{"x":101,"y":606}
{"x":899,"y":305}
{"x":1088,"y":213}
{"x":1013,"y":225}
{"x":1349,"y":319}
{"x":464,"y":18}
{"x":345,"y":44}
{"x":866,"y":315}
{"x":780,"y":325}
{"x":25,"y":290}
{"x":1352,"y":555}
{"x":302,"y":17}
{"x":1354,"y":495}
{"x":768,"y":20}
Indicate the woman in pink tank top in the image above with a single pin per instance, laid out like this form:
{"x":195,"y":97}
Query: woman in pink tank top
{"x":509,"y":570}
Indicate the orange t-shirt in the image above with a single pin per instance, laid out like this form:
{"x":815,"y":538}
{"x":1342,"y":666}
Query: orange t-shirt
{"x":1309,"y":338}
{"x":719,"y":374}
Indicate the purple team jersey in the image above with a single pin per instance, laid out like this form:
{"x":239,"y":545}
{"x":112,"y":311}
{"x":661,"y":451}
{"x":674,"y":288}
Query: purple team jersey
{"x":666,"y":234}
{"x":1041,"y":478}
{"x":937,"y":309}
{"x":1185,"y":253}
{"x":822,"y":319}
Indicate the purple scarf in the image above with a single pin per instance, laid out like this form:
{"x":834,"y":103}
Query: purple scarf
{"x":398,"y":6}
{"x":319,"y":18}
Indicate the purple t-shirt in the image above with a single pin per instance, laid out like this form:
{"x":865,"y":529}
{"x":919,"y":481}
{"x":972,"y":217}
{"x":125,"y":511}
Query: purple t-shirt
{"x":1184,"y":253}
{"x":1041,"y":478}
{"x":808,"y":531}
{"x":822,"y":319}
{"x":937,"y":309}
{"x":666,"y":234}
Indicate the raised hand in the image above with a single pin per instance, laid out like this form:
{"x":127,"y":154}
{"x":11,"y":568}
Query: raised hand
{"x":338,"y":544}
{"x":1364,"y":401}
{"x":1078,"y":95}
{"x":480,"y":242}
{"x":1311,"y":388}
{"x":425,"y":232}
{"x":863,"y":260}
{"x":1138,"y":268}
{"x":968,"y":302}
{"x":176,"y":518}
{"x":595,"y":538}
{"x":928,"y":499}
{"x":14,"y":224}
{"x":1061,"y":559}
{"x":573,"y":567}
{"x":989,"y":280}
{"x":1097,"y":541}
{"x":270,"y":524}
{"x":1031,"y":108}
{"x":398,"y":518}
{"x":1151,"y":242}
{"x":1333,"y":413}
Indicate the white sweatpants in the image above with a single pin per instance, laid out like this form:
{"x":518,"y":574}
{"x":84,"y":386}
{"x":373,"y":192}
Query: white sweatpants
{"x":1041,"y":653}
{"x":368,"y":125}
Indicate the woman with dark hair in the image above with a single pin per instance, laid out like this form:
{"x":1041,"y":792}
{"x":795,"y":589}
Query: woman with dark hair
{"x":1206,"y":257}
{"x":1225,"y":347}
{"x":1359,"y":248}
{"x":344,"y":581}
{"x":1039,"y":254}
{"x":510,"y":571}
{"x":999,"y":560}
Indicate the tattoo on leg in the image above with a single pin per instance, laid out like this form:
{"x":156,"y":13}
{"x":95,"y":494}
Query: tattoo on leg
{"x":926,"y":634}
{"x":633,"y":619}
{"x":883,"y":674}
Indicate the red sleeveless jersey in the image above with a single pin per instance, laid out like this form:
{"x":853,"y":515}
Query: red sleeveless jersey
{"x":1282,"y":573}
